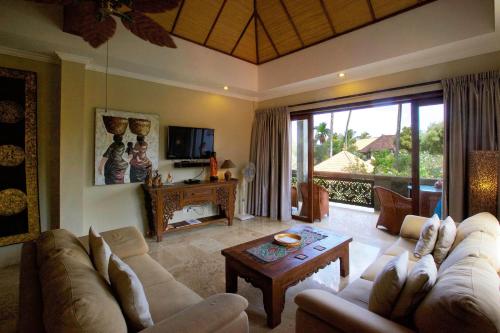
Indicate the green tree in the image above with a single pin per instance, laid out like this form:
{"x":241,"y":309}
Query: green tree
{"x":431,"y":165}
{"x":405,"y":139}
{"x":384,"y":163}
{"x":364,"y":135}
{"x":433,"y":139}
{"x":322,"y":132}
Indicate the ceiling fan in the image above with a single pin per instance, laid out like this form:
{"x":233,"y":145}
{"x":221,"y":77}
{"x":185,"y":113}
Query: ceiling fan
{"x":93,"y":19}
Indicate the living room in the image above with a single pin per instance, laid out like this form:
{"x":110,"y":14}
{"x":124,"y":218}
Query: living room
{"x":337,"y":120}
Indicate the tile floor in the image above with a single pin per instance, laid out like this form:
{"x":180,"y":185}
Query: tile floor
{"x":193,"y":257}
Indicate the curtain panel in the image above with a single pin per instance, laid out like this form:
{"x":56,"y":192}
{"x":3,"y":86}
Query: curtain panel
{"x":269,"y":193}
{"x":472,"y":111}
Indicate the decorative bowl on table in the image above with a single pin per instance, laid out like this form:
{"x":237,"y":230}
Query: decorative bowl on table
{"x":288,"y":240}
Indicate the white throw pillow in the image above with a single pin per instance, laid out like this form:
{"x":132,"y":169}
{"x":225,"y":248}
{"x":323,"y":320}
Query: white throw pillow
{"x":446,"y":236}
{"x":388,"y":284}
{"x":99,"y":253}
{"x":418,"y":283}
{"x":130,"y":294}
{"x":428,"y":237}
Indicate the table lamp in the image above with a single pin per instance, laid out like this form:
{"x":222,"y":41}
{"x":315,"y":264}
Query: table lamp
{"x":228,"y":164}
{"x":483,"y":170}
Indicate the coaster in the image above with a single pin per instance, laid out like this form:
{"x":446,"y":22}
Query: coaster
{"x":319,"y":248}
{"x":301,"y":256}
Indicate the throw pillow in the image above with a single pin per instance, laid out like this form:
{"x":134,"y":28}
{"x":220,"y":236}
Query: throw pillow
{"x":130,"y":293}
{"x":388,"y":285}
{"x":446,"y":236}
{"x":99,"y":253}
{"x":418,"y":283}
{"x":428,"y":237}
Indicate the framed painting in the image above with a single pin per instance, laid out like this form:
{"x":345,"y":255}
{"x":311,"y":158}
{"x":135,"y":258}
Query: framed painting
{"x":19,"y":211}
{"x":126,"y":146}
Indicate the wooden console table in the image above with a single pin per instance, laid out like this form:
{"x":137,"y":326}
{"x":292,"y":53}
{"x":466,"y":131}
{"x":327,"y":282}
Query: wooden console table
{"x":162,"y":202}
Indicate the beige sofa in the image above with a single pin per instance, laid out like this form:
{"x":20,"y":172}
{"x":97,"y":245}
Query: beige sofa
{"x":60,"y":291}
{"x":465,"y":298}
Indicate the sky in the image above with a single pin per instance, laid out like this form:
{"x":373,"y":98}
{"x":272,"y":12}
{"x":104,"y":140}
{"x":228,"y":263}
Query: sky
{"x":380,"y":120}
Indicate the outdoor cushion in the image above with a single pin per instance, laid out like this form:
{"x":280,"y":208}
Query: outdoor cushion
{"x":446,"y":236}
{"x":428,"y":236}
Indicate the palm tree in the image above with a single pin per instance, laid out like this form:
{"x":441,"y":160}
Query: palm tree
{"x":322,"y":132}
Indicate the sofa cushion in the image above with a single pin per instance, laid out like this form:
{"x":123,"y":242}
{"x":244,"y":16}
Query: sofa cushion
{"x":428,"y":236}
{"x":388,"y":285}
{"x":57,"y":242}
{"x":484,"y":222}
{"x":401,"y":245}
{"x":168,"y":298}
{"x":124,"y":242}
{"x":372,"y":271}
{"x":446,"y":236}
{"x":130,"y":293}
{"x":358,"y":292}
{"x":418,"y":283}
{"x":477,"y":244}
{"x":412,"y":226}
{"x":148,"y":270}
{"x":76,"y":298}
{"x":99,"y":253}
{"x":465,"y":299}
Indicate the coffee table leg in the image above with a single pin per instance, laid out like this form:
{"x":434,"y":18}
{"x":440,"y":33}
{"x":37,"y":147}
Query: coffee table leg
{"x":274,"y":299}
{"x":231,"y":279}
{"x":344,"y":262}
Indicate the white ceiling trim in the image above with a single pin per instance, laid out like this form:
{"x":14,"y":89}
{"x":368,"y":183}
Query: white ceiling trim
{"x":28,"y":55}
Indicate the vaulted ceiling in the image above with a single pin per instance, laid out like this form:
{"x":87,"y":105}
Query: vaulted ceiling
{"x":262,"y":30}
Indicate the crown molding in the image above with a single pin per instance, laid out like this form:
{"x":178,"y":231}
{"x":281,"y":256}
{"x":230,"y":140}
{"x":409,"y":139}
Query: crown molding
{"x":154,"y":79}
{"x":37,"y":56}
{"x":63,"y":56}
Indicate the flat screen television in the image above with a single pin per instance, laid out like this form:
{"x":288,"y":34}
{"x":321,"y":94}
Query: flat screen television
{"x":189,"y":143}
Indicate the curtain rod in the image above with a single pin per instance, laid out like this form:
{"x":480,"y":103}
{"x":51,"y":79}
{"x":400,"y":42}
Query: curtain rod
{"x":366,"y":93}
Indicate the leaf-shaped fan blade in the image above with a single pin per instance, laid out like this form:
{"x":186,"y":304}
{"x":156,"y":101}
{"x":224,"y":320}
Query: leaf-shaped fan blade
{"x":92,"y":29}
{"x":56,"y":2}
{"x":154,"y":6}
{"x":147,"y":29}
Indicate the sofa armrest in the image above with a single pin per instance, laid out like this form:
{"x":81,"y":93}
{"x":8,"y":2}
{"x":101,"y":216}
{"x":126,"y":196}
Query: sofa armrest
{"x":343,"y":315}
{"x":210,"y":315}
{"x":411,"y":227}
{"x":124,"y":242}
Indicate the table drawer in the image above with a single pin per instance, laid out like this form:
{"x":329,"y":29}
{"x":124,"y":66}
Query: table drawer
{"x":197,"y":194}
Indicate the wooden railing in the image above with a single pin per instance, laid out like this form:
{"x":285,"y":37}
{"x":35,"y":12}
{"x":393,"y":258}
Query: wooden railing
{"x":357,"y":189}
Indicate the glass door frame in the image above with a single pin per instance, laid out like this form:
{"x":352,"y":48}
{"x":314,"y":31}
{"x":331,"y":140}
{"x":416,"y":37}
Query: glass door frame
{"x":308,"y":217}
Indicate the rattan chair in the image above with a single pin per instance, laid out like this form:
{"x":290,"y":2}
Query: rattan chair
{"x":321,"y":200}
{"x":393,"y":209}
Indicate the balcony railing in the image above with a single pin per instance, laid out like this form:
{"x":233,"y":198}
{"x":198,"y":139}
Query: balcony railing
{"x":357,"y":189}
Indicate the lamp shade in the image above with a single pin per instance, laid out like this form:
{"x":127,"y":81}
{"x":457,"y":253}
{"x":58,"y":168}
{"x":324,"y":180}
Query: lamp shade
{"x":483,"y":170}
{"x":227,"y":165}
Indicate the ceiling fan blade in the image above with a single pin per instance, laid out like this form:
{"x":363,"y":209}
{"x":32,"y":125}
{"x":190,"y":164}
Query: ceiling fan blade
{"x":93,"y":30}
{"x":147,"y":29}
{"x":154,"y":6}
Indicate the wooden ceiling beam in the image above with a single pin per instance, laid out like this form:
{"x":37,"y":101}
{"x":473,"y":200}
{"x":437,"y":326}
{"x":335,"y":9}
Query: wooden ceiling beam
{"x":177,"y":16}
{"x":327,"y":15}
{"x":242,"y":33}
{"x":372,"y":11}
{"x":215,"y":22}
{"x":292,"y":23}
{"x":267,"y":34}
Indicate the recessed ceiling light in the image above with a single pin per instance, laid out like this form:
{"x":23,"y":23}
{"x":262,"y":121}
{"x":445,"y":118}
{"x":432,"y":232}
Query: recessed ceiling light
{"x":341,"y":75}
{"x":226,"y":88}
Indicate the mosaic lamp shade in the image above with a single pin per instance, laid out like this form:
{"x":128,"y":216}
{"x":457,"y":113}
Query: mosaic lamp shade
{"x":484,"y":168}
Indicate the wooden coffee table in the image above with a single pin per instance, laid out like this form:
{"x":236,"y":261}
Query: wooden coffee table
{"x":274,"y":278}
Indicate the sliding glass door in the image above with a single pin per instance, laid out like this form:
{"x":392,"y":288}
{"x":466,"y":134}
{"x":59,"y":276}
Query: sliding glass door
{"x":301,"y":187}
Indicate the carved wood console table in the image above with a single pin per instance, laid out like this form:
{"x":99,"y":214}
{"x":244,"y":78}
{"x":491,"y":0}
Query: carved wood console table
{"x":162,"y":202}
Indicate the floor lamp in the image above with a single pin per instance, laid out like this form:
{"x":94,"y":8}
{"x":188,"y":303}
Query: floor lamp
{"x":484,"y":169}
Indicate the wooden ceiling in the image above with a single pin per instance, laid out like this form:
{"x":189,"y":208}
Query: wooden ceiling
{"x":262,"y":30}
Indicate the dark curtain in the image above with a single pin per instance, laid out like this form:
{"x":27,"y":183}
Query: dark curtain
{"x":269,"y":193}
{"x":472,"y":111}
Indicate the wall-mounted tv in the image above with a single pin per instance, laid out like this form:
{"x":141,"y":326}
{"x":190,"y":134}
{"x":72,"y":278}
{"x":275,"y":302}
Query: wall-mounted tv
{"x":189,"y":143}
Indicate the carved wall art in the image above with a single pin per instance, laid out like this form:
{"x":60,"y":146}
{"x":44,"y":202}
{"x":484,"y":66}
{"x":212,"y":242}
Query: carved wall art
{"x":19,"y":211}
{"x":126,"y":146}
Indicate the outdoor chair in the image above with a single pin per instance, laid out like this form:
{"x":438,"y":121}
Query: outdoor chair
{"x":321,"y":201}
{"x":393,"y":209}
